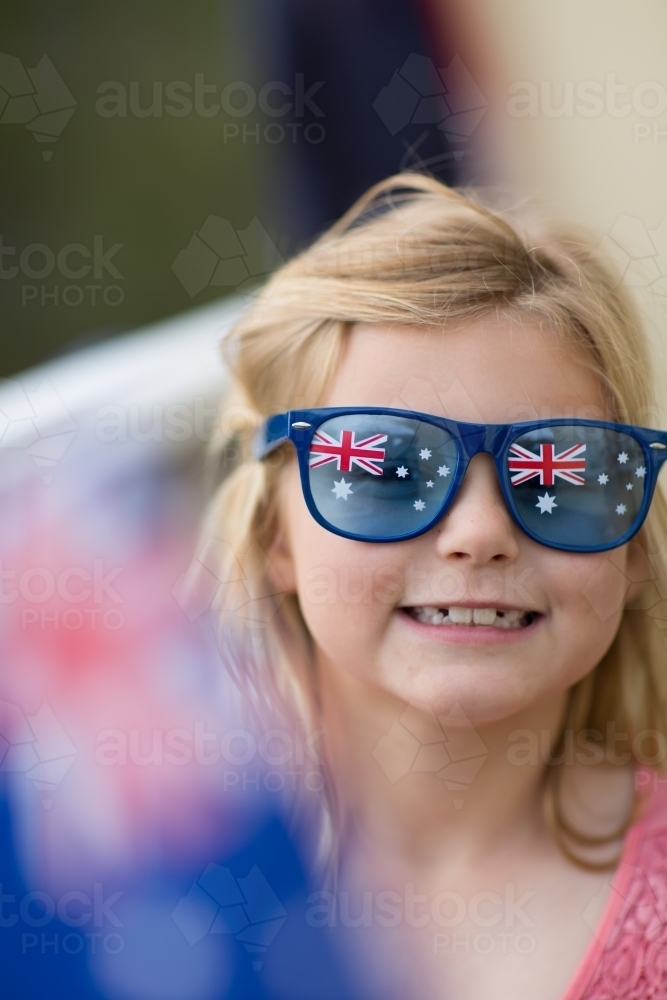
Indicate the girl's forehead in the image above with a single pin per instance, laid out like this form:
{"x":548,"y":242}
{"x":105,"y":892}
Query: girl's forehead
{"x":488,"y":371}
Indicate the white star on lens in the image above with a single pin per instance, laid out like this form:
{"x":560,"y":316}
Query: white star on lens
{"x":628,"y":486}
{"x":443,"y":470}
{"x":622,"y":458}
{"x":425,"y":453}
{"x":603,"y":479}
{"x":401,"y":472}
{"x":430,"y":484}
{"x":621,"y":508}
{"x":546,"y":503}
{"x":341,"y":489}
{"x":640,"y":471}
{"x":419,"y":504}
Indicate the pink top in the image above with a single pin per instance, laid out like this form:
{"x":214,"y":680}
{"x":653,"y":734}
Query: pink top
{"x":628,"y":954}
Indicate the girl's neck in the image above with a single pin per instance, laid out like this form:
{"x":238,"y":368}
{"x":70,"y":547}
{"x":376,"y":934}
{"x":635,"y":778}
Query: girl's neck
{"x":424,"y":787}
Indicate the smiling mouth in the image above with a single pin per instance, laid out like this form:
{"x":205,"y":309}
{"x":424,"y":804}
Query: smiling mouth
{"x":476,"y":617}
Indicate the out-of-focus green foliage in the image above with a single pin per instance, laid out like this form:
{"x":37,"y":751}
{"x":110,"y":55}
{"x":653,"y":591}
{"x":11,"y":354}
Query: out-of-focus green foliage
{"x":148,"y":183}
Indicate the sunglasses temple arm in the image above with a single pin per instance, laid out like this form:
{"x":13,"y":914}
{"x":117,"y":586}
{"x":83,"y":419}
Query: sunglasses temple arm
{"x":272,"y":433}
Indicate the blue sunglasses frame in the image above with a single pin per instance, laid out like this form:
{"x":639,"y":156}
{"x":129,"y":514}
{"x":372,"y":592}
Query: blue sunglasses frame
{"x":299,"y":426}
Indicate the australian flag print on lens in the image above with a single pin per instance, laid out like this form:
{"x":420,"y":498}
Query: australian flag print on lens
{"x":547,"y":464}
{"x":380,"y":475}
{"x":576,"y":485}
{"x":347,"y":452}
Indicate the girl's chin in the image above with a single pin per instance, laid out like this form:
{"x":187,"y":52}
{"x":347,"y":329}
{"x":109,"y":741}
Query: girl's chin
{"x":469,"y":635}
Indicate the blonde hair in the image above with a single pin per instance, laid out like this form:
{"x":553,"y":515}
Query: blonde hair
{"x":417,"y":253}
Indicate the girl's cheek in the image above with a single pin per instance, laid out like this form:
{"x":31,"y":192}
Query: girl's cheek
{"x":347,"y":595}
{"x":594,"y":588}
{"x":348,"y":634}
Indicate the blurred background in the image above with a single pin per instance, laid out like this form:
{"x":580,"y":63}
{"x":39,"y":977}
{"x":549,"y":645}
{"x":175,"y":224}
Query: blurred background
{"x":158,"y":160}
{"x":124,"y":126}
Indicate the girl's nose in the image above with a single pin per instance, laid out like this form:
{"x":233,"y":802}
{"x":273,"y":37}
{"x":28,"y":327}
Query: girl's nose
{"x":478,"y":527}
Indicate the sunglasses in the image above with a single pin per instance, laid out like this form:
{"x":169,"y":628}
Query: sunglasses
{"x":386,"y":475}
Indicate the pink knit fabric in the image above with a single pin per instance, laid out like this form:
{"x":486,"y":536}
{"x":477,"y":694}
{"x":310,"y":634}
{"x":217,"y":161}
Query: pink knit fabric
{"x":628,"y":954}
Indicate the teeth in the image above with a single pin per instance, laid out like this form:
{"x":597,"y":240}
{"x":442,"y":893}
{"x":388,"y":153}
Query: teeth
{"x":431,"y":615}
{"x":483,"y":616}
{"x":462,"y":616}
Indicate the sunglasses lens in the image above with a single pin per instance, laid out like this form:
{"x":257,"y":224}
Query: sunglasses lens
{"x":378,"y":476}
{"x":576,"y":486}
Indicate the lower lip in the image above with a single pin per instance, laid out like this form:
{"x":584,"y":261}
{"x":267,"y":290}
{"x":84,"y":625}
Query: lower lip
{"x":471,"y":635}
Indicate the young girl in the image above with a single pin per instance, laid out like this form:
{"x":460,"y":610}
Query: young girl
{"x":446,"y":532}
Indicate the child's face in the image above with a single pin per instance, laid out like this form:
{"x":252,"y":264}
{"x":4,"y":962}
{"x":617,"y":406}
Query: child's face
{"x":354,"y":595}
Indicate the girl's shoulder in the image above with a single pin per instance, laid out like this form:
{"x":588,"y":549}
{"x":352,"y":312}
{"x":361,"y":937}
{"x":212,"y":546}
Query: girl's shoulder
{"x":628,"y":957}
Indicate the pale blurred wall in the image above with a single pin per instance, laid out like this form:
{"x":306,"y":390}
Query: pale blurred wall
{"x":606,"y":169}
{"x":589,"y":168}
